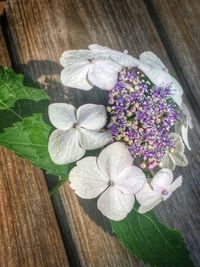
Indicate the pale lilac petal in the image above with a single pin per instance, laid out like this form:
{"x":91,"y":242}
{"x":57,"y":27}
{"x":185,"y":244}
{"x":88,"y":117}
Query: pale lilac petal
{"x":104,"y":73}
{"x":64,"y":146}
{"x":114,"y":159}
{"x":75,"y":74}
{"x":147,"y":197}
{"x":114,"y":204}
{"x":86,"y":179}
{"x":62,"y":115}
{"x":130,"y":180}
{"x":91,"y":116}
{"x":162,"y":179}
{"x":93,"y":139}
{"x":177,"y":183}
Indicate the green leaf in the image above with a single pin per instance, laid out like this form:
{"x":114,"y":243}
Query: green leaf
{"x":24,"y":126}
{"x":29,"y":140}
{"x":152,"y":242}
{"x":12,"y":88}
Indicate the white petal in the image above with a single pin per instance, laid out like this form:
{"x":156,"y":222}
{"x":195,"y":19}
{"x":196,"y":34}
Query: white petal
{"x":91,"y":116}
{"x":150,"y":58}
{"x":166,"y":79}
{"x":162,"y":78}
{"x":177,"y":183}
{"x":75,"y":74}
{"x":75,"y":55}
{"x":62,"y":115}
{"x":144,"y":209}
{"x":177,"y":98}
{"x":94,"y":139}
{"x":99,"y":48}
{"x":64,"y":146}
{"x":180,"y":159}
{"x":114,"y":204}
{"x":130,"y":180}
{"x":178,"y":142}
{"x":168,"y":162}
{"x":184,"y":132}
{"x":123,"y":59}
{"x":187,"y":114}
{"x":162,"y":179}
{"x":86,"y":179}
{"x":104,"y":73}
{"x":147,"y":197}
{"x":114,"y":159}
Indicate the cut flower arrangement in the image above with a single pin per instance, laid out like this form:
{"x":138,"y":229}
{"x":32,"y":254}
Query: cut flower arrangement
{"x":123,"y":153}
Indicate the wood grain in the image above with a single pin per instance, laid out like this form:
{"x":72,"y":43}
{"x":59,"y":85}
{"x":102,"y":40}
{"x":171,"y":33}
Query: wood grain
{"x":40,"y":31}
{"x":178,"y":24}
{"x":1,"y":8}
{"x":29,"y":235}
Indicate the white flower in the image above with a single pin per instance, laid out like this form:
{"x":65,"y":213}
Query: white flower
{"x":121,"y":58}
{"x":182,"y":127}
{"x":160,"y":188}
{"x":153,"y":67}
{"x":112,"y":176}
{"x":77,"y":131}
{"x":176,"y":156}
{"x":84,"y":69}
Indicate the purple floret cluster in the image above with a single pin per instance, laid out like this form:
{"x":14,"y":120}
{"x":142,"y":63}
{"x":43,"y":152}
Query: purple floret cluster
{"x":141,"y":115}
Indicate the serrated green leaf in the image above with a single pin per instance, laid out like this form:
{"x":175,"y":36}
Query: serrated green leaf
{"x":152,"y":242}
{"x":29,"y":140}
{"x":12,"y":88}
{"x":24,"y":126}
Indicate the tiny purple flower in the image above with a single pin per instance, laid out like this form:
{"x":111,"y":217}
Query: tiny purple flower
{"x":142,"y":116}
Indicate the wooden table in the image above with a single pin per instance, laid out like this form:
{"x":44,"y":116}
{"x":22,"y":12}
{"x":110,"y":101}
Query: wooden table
{"x":67,"y":231}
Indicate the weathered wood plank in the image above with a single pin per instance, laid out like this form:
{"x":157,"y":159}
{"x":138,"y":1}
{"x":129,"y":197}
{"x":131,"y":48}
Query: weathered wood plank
{"x":178,"y":24}
{"x":40,"y":32}
{"x":1,"y":8}
{"x":29,"y":235}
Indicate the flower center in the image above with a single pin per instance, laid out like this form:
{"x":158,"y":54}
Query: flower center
{"x":76,"y":125}
{"x":165,"y":192}
{"x":141,"y":116}
{"x":111,"y":183}
{"x":92,"y":60}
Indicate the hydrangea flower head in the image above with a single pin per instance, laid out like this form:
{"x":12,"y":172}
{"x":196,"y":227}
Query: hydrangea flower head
{"x":142,"y":115}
